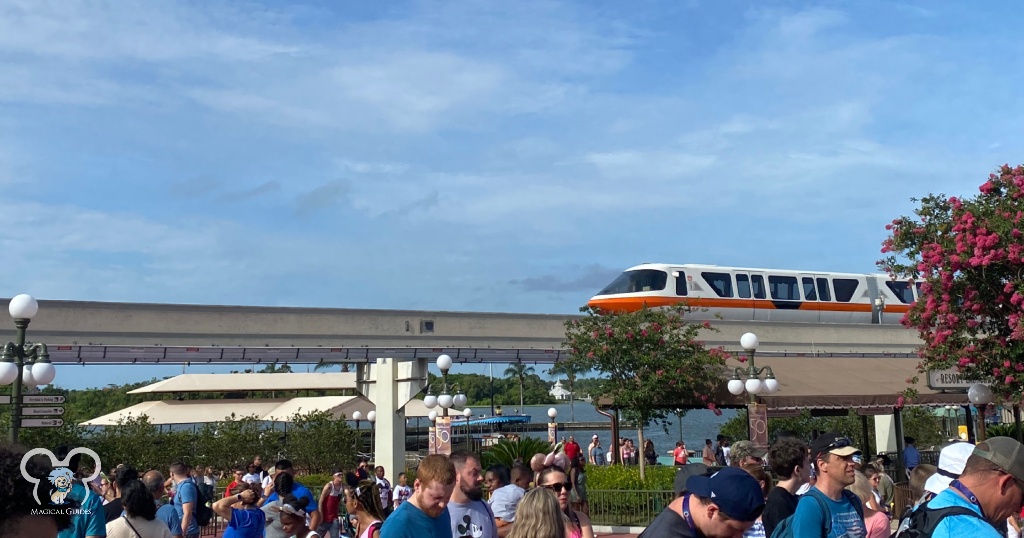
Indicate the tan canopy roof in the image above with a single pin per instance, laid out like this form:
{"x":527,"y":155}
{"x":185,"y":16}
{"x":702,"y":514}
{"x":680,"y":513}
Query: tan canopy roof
{"x":271,"y":409}
{"x":251,"y":382}
{"x":822,"y":382}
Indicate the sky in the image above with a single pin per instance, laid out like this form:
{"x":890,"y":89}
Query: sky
{"x":477,"y":155}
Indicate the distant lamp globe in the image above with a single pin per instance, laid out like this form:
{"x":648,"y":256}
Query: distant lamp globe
{"x":749,"y":341}
{"x":356,"y":415}
{"x":467,"y":412}
{"x":753,"y":385}
{"x":8,"y":372}
{"x":979,"y":394}
{"x":445,"y":400}
{"x":461,"y":400}
{"x":432,"y":416}
{"x":26,"y":376}
{"x":371,"y":416}
{"x":23,"y":306}
{"x":736,"y":386}
{"x":43,"y":372}
{"x":430,"y":401}
{"x":552,"y":413}
{"x":444,"y":362}
{"x":771,"y":385}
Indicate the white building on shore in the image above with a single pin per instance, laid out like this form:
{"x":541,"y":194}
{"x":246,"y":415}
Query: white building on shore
{"x":559,"y":392}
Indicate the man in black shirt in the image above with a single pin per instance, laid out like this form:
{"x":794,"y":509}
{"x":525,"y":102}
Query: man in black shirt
{"x":722,"y":505}
{"x":789,"y":461}
{"x":124,"y":474}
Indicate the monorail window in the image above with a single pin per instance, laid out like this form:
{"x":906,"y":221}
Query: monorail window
{"x":902,"y":290}
{"x":784,"y":288}
{"x":637,"y":281}
{"x":743,"y":286}
{"x":757,"y":282}
{"x":845,"y":288}
{"x":681,"y":283}
{"x":917,"y":286}
{"x":823,"y":293}
{"x":809,"y":292}
{"x":720,"y":282}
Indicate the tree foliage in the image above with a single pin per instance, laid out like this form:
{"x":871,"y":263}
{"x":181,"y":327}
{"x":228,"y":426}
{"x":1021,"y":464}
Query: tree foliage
{"x":509,"y":451}
{"x":967,"y":255}
{"x":651,"y":361}
{"x":519,"y":371}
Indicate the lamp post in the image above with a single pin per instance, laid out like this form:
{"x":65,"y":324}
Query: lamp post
{"x":552,"y":426}
{"x":432,"y":433}
{"x":980,"y":395}
{"x":757,"y":414}
{"x":371,"y":417}
{"x":468,"y":413}
{"x":23,"y":363}
{"x":357,"y":416}
{"x":446,"y":400}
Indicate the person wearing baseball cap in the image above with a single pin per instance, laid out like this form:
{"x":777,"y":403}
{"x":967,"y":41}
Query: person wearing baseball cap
{"x":991,"y":489}
{"x":745,"y":453}
{"x":834,"y":511}
{"x":722,"y":505}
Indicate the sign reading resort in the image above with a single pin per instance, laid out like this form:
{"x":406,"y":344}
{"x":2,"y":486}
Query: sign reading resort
{"x":949,"y":379}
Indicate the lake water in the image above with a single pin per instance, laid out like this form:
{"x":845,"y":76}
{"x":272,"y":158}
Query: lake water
{"x":697,"y":425}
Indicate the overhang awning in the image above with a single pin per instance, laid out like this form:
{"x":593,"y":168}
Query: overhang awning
{"x":847,"y":383}
{"x":270,"y":409}
{"x":251,"y":382}
{"x":868,"y":383}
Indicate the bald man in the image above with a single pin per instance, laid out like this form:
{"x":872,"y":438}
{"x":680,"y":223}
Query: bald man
{"x":154,"y":482}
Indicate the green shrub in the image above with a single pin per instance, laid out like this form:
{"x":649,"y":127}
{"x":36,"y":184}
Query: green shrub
{"x":627,"y":477}
{"x":507,"y":451}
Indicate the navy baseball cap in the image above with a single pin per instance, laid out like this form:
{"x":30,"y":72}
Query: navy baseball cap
{"x":737,"y":493}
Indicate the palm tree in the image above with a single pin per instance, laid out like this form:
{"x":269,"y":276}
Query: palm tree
{"x":519,"y":371}
{"x":329,"y":365}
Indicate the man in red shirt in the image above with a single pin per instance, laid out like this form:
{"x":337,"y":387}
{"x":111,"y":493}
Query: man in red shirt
{"x":239,"y":474}
{"x":572,"y":449}
{"x":679,"y":454}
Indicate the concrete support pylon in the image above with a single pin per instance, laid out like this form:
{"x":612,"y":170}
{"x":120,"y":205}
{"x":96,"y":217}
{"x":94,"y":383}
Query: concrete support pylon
{"x":390,"y":384}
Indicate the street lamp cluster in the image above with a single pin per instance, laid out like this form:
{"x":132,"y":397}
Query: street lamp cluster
{"x":23,"y":363}
{"x":445,"y":400}
{"x":753,"y":384}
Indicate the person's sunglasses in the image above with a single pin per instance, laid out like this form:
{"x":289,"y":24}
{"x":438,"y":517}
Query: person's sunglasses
{"x":557,"y":488}
{"x":842,"y":442}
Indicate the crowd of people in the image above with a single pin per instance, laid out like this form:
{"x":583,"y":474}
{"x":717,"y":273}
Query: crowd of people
{"x":829,"y":489}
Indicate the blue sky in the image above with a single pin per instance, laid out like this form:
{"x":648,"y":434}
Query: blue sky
{"x":481,"y":156}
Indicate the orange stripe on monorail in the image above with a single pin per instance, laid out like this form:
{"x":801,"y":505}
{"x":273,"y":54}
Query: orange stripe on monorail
{"x":629,"y":304}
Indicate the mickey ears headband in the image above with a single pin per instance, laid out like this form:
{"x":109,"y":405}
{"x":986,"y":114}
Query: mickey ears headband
{"x":62,"y":463}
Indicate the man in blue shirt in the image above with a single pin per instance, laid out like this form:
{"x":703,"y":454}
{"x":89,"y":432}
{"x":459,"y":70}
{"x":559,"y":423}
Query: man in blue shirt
{"x":154,"y":482}
{"x":90,"y":522}
{"x":186,"y":499}
{"x":425,"y":514}
{"x":991,"y":486}
{"x":828,"y":509}
{"x":911,"y":457}
{"x":285,"y":466}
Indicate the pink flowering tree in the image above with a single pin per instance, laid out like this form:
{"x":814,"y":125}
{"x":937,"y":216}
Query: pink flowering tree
{"x":652,"y":362}
{"x":967,"y":256}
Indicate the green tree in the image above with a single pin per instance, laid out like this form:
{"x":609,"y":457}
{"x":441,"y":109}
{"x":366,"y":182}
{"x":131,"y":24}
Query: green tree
{"x":966,"y":255}
{"x":652,"y":359}
{"x":318,"y":442}
{"x":235,"y":440}
{"x":519,"y":371}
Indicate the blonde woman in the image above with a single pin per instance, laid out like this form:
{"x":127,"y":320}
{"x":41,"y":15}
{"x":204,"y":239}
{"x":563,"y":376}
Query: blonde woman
{"x":539,"y":516}
{"x":875,"y":521}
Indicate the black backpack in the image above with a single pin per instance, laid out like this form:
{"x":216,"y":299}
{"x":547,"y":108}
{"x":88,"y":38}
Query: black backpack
{"x":720,"y":456}
{"x":785,"y":527}
{"x":923,"y":520}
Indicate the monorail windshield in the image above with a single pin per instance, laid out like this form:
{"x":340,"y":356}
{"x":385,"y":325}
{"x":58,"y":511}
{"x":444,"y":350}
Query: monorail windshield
{"x":637,"y":281}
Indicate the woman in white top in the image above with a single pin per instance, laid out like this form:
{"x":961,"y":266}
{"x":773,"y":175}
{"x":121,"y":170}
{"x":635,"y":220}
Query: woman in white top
{"x":139,"y":520}
{"x":363,"y":501}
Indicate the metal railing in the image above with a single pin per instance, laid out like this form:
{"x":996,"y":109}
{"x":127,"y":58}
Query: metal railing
{"x":636,"y":508}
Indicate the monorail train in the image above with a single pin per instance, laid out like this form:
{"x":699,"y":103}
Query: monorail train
{"x":737,"y":293}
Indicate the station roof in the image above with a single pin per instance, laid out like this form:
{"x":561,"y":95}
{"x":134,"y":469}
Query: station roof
{"x":251,"y":382}
{"x":269,"y":409}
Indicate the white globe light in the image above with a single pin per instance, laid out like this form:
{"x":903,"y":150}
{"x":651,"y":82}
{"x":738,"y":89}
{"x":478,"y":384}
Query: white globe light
{"x":749,"y":341}
{"x":430,"y":401}
{"x":432,"y":416}
{"x":444,"y":362}
{"x":736,"y":386}
{"x":357,"y":415}
{"x":371,"y":416}
{"x":23,"y":306}
{"x":467,"y":412}
{"x":43,"y":373}
{"x":979,"y":394}
{"x":26,"y":375}
{"x":753,"y":385}
{"x":771,"y":385}
{"x":461,"y":400}
{"x":8,"y":373}
{"x":445,"y":400}
{"x":552,"y":413}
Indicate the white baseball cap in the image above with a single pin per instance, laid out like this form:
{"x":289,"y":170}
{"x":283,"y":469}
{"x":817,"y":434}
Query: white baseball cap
{"x":952,"y":460}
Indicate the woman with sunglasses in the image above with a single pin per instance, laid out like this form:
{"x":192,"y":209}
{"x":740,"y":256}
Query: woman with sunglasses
{"x":555,"y":479}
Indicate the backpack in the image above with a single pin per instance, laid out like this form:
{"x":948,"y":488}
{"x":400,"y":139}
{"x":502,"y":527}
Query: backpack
{"x":785,"y":527}
{"x":720,"y":456}
{"x":923,"y":520}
